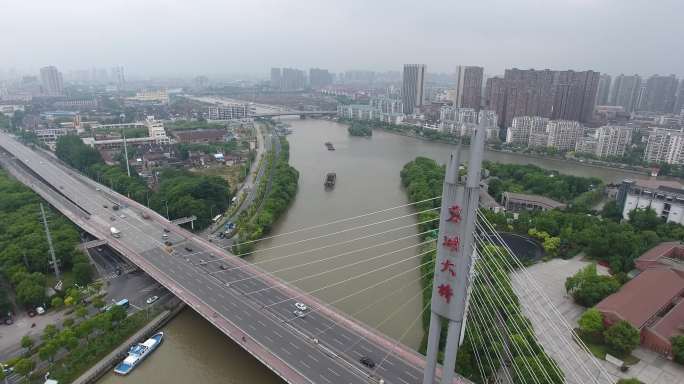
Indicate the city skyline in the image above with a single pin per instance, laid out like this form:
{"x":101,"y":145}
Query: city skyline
{"x":540,"y":39}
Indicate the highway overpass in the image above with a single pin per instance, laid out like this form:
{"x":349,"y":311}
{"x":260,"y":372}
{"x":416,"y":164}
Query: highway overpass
{"x":323,"y":347}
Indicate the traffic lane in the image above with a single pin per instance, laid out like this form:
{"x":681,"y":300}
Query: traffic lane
{"x":314,"y":325}
{"x":341,"y":340}
{"x":293,"y":349}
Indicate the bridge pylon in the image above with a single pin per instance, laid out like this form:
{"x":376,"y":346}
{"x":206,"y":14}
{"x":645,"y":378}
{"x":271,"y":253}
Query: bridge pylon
{"x":453,"y":263}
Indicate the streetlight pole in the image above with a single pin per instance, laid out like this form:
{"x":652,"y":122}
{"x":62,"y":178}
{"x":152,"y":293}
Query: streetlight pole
{"x":167,"y":208}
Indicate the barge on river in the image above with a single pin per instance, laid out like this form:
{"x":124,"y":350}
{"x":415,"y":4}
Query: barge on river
{"x":138,"y":353}
{"x":330,"y":146}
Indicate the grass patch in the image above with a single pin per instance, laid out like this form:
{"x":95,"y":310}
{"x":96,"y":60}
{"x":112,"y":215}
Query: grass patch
{"x":229,"y":173}
{"x":600,"y":350}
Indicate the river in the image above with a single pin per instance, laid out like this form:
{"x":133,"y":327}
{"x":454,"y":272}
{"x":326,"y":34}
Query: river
{"x":367,"y":181}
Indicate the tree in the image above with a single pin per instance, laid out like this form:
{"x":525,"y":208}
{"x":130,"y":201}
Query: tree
{"x":588,"y":288}
{"x":117,"y":313}
{"x":622,"y":337}
{"x":630,"y":381}
{"x":81,"y":311}
{"x":98,"y":302}
{"x":56,"y":302}
{"x":536,"y":369}
{"x":24,"y":367}
{"x":30,"y":292}
{"x":643,"y":219}
{"x":82,"y":273}
{"x":48,"y":351}
{"x":611,"y":211}
{"x":678,"y":348}
{"x":49,"y":332}
{"x":591,"y":322}
{"x":27,"y":342}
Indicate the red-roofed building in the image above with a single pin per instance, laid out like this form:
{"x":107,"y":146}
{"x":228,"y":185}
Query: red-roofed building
{"x":652,"y":301}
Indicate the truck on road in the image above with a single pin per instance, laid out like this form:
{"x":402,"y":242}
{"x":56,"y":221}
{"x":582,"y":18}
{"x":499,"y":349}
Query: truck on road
{"x":115,"y":232}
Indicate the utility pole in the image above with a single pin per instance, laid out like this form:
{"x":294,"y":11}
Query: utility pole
{"x":49,"y":240}
{"x":128,"y":167}
{"x":454,"y":257}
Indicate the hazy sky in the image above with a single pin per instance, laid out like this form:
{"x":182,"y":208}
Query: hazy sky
{"x":189,"y":37}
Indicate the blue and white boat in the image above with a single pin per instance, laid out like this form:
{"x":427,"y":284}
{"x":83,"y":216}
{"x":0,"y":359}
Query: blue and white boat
{"x":138,"y":353}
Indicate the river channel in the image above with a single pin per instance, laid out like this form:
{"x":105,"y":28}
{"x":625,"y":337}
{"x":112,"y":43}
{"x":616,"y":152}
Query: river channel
{"x":331,"y":261}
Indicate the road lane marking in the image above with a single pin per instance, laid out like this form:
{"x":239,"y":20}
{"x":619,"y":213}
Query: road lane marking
{"x":294,"y":346}
{"x":277,"y":334}
{"x":252,"y":327}
{"x":403,"y":381}
{"x":286,"y":351}
{"x":312,"y":358}
{"x":268,"y":338}
{"x":412,"y":375}
{"x":305,"y":364}
{"x":333,"y":372}
{"x":261,"y":323}
{"x":325,"y":378}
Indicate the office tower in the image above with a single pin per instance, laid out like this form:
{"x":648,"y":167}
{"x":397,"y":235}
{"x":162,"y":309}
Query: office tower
{"x":276,"y":78}
{"x":659,"y":94}
{"x":319,"y":78}
{"x":468,"y":90}
{"x":564,"y":134}
{"x":51,"y":78}
{"x":118,"y":77}
{"x":518,"y":133}
{"x":612,"y":141}
{"x":603,"y":90}
{"x":664,"y":146}
{"x":412,"y":87}
{"x":626,"y":92}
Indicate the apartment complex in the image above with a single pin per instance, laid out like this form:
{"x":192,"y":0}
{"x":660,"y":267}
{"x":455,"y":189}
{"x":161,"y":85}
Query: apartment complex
{"x":412,"y":90}
{"x":288,"y":79}
{"x":564,"y":134}
{"x":602,"y":96}
{"x":664,"y":146}
{"x":319,"y":78}
{"x":522,"y":127}
{"x":229,"y":111}
{"x":386,"y":104}
{"x":468,"y":91}
{"x":625,"y":92}
{"x":612,"y":141}
{"x":659,"y":94}
{"x":560,"y":95}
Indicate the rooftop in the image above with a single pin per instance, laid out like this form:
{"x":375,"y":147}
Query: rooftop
{"x":644,"y":296}
{"x":543,"y":200}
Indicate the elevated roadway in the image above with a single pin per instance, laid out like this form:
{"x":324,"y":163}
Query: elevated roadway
{"x":323,"y":347}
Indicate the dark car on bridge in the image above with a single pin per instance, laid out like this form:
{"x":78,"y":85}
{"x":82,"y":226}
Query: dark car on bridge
{"x":367,"y":361}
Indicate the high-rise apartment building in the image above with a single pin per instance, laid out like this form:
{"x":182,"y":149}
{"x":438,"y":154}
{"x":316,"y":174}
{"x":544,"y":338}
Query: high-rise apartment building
{"x":564,"y":95}
{"x":603,"y":89}
{"x":660,"y":94}
{"x":118,"y":77}
{"x":518,"y":133}
{"x":52,"y":82}
{"x":564,"y":134}
{"x":276,"y":78}
{"x":468,"y":92}
{"x":412,"y":90}
{"x":319,"y":78}
{"x":626,"y":92}
{"x":612,"y":140}
{"x":679,"y":105}
{"x":664,"y":146}
{"x":293,"y":79}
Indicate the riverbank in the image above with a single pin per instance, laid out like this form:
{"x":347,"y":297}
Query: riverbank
{"x":108,"y":363}
{"x":636,"y":171}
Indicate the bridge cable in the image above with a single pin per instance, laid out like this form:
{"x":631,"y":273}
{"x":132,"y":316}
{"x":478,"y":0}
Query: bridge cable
{"x":329,"y":245}
{"x":543,"y":311}
{"x":341,"y":220}
{"x":524,"y":273}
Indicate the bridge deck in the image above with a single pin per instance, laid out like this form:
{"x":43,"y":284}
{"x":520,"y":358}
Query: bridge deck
{"x":283,"y":344}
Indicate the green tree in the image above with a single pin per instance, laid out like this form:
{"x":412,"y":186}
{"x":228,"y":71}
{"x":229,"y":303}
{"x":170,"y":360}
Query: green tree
{"x":622,"y":337}
{"x":643,"y":219}
{"x":56,"y":302}
{"x":629,"y":381}
{"x":27,"y":342}
{"x":81,"y":311}
{"x":117,"y":313}
{"x":536,"y":369}
{"x":588,"y":288}
{"x":678,"y":348}
{"x":24,"y":367}
{"x":611,"y":211}
{"x":591,"y":322}
{"x":48,"y":351}
{"x":30,"y":292}
{"x":82,"y":273}
{"x":98,"y":302}
{"x":49,"y":332}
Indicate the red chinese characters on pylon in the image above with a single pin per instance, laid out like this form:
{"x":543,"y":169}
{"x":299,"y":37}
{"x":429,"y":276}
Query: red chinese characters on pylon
{"x":452,"y":243}
{"x":454,"y":214}
{"x":448,"y":267}
{"x":445,"y":291}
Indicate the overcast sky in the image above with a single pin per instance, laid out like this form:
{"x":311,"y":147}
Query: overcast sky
{"x":191,"y":37}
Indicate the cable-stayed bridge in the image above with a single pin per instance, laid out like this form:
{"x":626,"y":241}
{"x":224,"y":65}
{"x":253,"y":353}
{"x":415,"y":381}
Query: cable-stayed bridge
{"x":257,"y":310}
